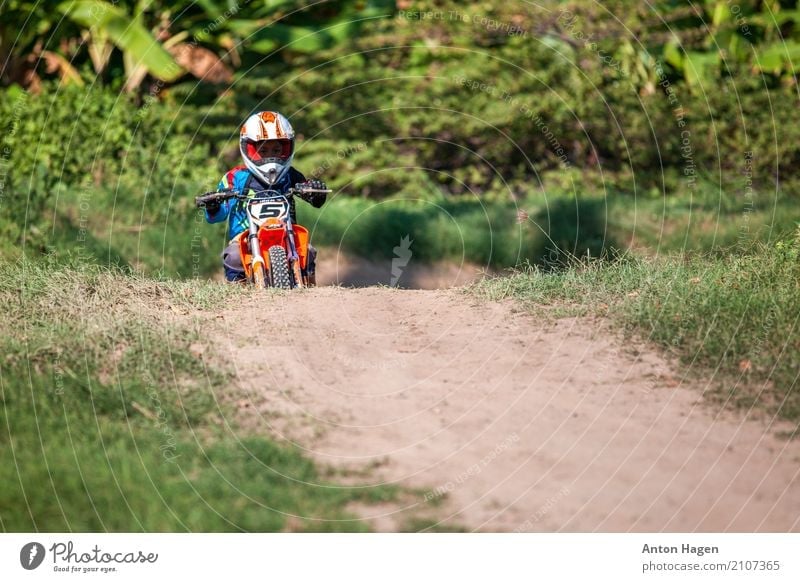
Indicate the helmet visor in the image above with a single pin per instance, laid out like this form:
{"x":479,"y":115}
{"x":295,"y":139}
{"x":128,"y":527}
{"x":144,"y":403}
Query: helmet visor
{"x":268,"y":151}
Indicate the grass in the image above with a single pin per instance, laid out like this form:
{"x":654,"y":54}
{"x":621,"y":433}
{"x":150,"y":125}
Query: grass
{"x":482,"y":232}
{"x":429,"y":525}
{"x":491,"y":231}
{"x":114,"y":418}
{"x":713,"y":223}
{"x":162,"y":235}
{"x":736,"y":317}
{"x":165,"y":235}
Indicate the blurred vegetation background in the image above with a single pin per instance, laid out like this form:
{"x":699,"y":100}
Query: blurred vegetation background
{"x":502,"y":132}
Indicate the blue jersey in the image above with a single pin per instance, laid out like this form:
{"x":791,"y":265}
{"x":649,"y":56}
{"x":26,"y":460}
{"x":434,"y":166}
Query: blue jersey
{"x":240,"y":179}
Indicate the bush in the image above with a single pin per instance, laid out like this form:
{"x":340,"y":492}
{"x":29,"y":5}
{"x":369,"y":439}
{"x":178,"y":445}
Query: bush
{"x":72,"y":138}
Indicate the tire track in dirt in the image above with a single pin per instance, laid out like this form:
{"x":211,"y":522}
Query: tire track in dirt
{"x":502,"y":421}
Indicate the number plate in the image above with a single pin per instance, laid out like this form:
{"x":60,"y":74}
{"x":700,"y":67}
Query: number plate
{"x":261,"y":211}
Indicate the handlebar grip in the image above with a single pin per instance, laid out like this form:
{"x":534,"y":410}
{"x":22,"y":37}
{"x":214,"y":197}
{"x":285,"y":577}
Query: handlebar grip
{"x":219,"y":196}
{"x":201,"y":201}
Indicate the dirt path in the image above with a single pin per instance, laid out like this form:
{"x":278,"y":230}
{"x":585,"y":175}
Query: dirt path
{"x":341,"y":268}
{"x":526,"y":425}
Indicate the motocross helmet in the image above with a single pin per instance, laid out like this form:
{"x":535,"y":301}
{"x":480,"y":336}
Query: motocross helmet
{"x":267,"y":145}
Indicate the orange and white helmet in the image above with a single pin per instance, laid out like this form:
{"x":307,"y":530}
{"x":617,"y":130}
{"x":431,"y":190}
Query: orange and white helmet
{"x":267,"y":145}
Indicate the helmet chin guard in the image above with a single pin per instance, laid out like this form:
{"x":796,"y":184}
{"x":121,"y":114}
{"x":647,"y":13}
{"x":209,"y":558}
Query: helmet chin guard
{"x":271,"y":174}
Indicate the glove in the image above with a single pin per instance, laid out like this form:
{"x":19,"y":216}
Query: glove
{"x":316,"y":199}
{"x":212,"y":207}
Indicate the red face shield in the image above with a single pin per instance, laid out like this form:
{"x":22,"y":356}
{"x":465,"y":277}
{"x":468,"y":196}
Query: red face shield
{"x":263,"y":151}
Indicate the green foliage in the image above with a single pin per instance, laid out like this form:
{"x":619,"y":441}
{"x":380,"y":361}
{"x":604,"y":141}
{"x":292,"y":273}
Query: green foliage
{"x":24,"y":24}
{"x":63,"y":136}
{"x":150,"y":37}
{"x":580,"y":103}
{"x":474,"y":108}
{"x":64,"y":144}
{"x":264,"y":32}
{"x":105,"y":20}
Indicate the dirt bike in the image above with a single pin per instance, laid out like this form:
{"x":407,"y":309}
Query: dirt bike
{"x":274,"y":250}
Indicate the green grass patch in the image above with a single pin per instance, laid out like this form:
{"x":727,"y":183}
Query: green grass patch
{"x":155,"y":234}
{"x":547,"y":229}
{"x":736,"y":317}
{"x":486,"y":231}
{"x":429,"y":525}
{"x":113,"y":420}
{"x":165,"y":235}
{"x":713,"y":222}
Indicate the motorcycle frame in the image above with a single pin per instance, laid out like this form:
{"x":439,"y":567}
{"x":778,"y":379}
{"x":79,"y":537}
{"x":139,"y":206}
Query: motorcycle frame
{"x":255,"y":245}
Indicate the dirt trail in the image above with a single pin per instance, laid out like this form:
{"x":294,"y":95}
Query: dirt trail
{"x":527,"y":425}
{"x":338,"y":267}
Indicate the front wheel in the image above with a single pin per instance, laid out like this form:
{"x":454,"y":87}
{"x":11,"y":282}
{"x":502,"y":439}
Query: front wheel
{"x":279,"y":268}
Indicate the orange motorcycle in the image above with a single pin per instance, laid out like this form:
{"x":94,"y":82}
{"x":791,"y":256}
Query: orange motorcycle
{"x":274,"y":250}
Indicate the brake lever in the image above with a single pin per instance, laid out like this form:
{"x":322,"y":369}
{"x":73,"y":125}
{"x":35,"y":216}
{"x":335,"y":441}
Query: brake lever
{"x":312,"y":190}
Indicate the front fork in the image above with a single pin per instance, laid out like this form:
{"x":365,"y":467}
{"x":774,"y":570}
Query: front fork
{"x":294,"y":257}
{"x":257,"y":259}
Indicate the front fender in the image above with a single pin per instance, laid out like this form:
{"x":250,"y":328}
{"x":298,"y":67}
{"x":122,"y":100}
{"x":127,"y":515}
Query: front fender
{"x":269,"y":237}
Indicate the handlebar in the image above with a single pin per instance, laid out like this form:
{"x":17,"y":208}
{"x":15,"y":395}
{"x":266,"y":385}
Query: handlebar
{"x":310,"y":190}
{"x":222,"y":195}
{"x":218,"y":196}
